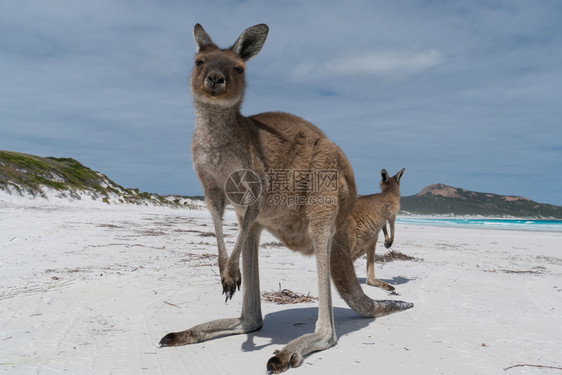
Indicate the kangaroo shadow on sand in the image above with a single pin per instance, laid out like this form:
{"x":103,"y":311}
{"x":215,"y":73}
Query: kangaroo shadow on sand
{"x":286,"y":325}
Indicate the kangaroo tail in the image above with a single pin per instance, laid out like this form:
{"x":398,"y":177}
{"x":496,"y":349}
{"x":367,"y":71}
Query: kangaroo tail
{"x":345,"y":280}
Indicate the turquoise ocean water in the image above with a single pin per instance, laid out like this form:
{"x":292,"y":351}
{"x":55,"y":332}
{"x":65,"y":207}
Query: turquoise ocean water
{"x":510,"y":224}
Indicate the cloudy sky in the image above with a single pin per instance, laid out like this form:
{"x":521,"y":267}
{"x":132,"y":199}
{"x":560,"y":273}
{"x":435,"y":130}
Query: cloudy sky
{"x":464,"y":93}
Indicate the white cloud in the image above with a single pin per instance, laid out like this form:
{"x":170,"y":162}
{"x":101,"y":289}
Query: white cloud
{"x":369,"y":64}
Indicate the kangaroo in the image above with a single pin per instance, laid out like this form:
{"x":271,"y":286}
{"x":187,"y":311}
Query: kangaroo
{"x":231,"y":151}
{"x":369,"y":216}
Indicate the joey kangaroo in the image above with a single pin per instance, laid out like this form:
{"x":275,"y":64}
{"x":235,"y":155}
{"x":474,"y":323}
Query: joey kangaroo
{"x":369,"y":216}
{"x":226,"y":143}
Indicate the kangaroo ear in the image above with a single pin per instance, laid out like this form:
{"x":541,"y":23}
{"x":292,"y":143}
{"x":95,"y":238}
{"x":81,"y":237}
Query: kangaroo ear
{"x":201,"y":37}
{"x":250,"y":42}
{"x":399,"y":175}
{"x":384,"y":175}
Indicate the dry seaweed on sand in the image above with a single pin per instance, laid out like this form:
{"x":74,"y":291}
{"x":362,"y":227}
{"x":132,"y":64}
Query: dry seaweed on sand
{"x":393,"y":255}
{"x":286,"y":296}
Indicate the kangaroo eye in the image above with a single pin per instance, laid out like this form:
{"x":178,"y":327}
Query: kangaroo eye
{"x":239,"y":70}
{"x":199,"y":62}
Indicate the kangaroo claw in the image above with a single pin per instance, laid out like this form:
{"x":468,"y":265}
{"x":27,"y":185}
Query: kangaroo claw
{"x":228,"y":296}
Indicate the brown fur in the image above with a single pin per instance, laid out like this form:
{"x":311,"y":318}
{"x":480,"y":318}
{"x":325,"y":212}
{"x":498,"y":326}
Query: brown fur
{"x":369,"y":216}
{"x":224,"y":142}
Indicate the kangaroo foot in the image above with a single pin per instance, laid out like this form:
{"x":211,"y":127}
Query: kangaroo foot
{"x":179,"y":338}
{"x":282,"y":361}
{"x":380,"y":284}
{"x":230,"y":281}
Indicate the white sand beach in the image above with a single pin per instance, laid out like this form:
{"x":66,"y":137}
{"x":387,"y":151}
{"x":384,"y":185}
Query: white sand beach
{"x":91,"y":289}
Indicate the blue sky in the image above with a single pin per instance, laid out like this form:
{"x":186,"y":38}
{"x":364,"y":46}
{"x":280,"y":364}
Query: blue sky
{"x":463,"y":93}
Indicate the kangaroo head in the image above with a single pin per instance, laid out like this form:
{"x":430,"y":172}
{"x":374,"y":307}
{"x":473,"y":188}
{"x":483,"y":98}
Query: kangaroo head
{"x":391,"y":183}
{"x":218,"y":74}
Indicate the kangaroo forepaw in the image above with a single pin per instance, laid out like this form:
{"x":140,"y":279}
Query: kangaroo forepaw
{"x":387,"y":244}
{"x":281,"y":362}
{"x":230,"y":283}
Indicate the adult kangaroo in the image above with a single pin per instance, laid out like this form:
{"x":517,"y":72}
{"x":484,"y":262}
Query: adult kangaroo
{"x":233,"y":151}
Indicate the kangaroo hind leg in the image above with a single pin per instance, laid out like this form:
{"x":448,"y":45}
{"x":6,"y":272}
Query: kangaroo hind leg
{"x":371,"y":279}
{"x":324,"y":335}
{"x":251,"y":317}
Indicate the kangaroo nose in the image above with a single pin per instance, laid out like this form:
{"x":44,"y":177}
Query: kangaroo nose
{"x":215,"y":79}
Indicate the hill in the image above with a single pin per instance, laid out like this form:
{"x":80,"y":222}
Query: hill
{"x":441,"y":199}
{"x":44,"y":177}
{"x":65,"y":178}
